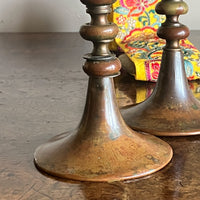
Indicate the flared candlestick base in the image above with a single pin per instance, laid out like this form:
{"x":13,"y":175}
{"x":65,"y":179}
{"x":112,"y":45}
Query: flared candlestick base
{"x":171,"y":110}
{"x":102,"y":148}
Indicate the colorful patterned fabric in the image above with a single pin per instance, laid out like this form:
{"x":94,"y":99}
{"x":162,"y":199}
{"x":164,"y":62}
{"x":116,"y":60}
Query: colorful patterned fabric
{"x":138,"y":24}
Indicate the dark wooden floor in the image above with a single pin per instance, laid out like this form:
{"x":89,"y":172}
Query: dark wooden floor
{"x":42,"y":94}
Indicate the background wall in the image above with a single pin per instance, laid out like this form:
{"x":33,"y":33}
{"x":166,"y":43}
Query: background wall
{"x":61,"y":15}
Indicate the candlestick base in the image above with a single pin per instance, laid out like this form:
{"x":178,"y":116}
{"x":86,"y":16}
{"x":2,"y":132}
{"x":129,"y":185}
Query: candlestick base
{"x":171,"y":110}
{"x":102,"y":150}
{"x":164,"y":120}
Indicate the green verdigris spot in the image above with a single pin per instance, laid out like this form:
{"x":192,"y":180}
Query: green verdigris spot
{"x":195,"y":107}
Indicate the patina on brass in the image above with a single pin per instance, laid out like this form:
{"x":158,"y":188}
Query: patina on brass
{"x":103,"y":147}
{"x":171,"y":110}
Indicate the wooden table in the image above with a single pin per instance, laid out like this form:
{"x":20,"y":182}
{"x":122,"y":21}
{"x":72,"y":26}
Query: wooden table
{"x":42,"y":94}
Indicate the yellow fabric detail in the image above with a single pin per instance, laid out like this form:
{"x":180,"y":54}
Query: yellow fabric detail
{"x":138,"y":24}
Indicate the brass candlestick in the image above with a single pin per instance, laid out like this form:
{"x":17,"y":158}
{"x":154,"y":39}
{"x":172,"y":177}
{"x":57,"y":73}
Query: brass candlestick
{"x":171,"y":110}
{"x":102,"y":148}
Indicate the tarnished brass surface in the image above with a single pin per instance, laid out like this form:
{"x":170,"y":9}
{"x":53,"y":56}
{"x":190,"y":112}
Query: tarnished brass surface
{"x":171,"y":110}
{"x":103,"y":147}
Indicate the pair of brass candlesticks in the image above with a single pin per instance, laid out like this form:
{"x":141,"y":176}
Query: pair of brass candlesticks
{"x":103,"y":147}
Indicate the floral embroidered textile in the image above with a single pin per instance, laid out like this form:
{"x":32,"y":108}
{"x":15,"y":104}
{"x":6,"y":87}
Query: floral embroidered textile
{"x":138,"y":24}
